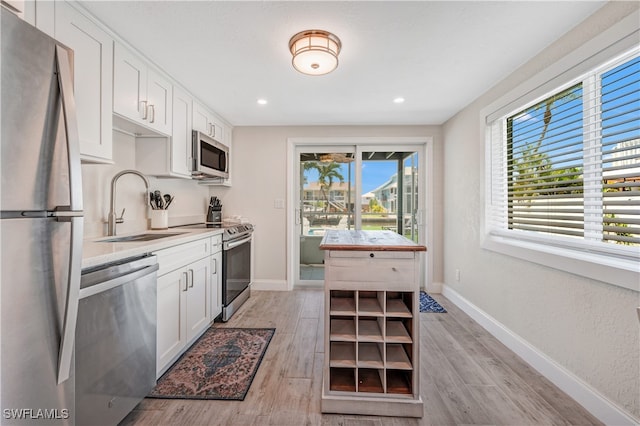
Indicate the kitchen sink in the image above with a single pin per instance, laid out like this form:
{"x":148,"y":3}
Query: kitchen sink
{"x":140,"y":237}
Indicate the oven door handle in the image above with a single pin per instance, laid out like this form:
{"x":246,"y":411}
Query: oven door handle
{"x":233,"y":244}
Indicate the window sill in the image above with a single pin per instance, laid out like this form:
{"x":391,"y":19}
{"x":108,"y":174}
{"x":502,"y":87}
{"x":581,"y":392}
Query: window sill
{"x":622,"y":272}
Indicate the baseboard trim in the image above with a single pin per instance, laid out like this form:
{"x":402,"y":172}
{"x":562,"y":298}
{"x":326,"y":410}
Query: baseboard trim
{"x":594,"y":402}
{"x":269,"y":285}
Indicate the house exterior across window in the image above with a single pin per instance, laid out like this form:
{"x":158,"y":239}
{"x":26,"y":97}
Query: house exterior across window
{"x":387,"y":193}
{"x":338,"y":197}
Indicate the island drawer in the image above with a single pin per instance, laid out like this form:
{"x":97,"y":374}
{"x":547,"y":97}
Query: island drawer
{"x":379,"y":268}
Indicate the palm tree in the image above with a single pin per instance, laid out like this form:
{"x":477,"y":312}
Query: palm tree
{"x":327,"y":173}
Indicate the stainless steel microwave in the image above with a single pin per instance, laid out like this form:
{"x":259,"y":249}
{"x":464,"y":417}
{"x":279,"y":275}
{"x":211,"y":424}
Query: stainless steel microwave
{"x":210,"y":157}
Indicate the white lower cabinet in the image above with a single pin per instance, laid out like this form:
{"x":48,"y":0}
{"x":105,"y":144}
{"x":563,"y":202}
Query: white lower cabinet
{"x":216,"y":278}
{"x":197,"y":294}
{"x":171,"y":333}
{"x":185,"y":297}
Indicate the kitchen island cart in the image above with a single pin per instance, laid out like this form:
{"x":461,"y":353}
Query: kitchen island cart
{"x":372,"y":325}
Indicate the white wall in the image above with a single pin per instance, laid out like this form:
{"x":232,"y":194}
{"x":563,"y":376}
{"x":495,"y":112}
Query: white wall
{"x":260,"y":177}
{"x":189,"y":205}
{"x":587,"y":327}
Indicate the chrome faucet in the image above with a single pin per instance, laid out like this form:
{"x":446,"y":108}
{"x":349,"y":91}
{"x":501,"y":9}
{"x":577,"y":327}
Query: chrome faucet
{"x":113,"y":219}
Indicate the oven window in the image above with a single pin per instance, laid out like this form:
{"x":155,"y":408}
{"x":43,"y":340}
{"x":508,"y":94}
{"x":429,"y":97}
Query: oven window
{"x":236,"y":272}
{"x":212,"y":157}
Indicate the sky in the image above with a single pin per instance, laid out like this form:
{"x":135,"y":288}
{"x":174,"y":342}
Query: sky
{"x":619,"y":119}
{"x":375,"y":173}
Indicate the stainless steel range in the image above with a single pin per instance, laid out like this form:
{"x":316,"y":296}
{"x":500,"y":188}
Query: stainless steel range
{"x":236,"y":273}
{"x":236,"y":260}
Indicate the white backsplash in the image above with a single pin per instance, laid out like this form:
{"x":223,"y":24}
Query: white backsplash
{"x":189,"y":205}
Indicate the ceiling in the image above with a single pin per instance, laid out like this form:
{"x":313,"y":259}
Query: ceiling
{"x":439,"y":56}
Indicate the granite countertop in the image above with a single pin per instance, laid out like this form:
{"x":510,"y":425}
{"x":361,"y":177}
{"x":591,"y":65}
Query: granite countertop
{"x":97,"y":252}
{"x":367,"y":241}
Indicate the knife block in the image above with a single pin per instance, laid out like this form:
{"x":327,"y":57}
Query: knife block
{"x":214,"y":215}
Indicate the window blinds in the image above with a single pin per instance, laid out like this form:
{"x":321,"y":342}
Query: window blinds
{"x":620,"y":140}
{"x":545,"y":190}
{"x":569,"y":165}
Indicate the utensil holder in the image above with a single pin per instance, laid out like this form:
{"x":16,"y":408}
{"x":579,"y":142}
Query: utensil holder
{"x":159,"y":219}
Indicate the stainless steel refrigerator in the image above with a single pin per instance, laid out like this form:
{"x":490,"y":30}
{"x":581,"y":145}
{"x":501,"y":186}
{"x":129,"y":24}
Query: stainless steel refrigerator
{"x":40,"y":227}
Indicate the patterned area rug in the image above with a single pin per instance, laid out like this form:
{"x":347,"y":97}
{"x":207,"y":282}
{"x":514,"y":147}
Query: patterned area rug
{"x":427,"y":304}
{"x":220,"y":365}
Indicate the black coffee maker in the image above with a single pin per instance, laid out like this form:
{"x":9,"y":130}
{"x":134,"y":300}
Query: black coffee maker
{"x":214,"y":212}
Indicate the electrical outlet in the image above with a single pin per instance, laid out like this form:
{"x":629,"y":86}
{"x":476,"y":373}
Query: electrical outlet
{"x":457,"y":274}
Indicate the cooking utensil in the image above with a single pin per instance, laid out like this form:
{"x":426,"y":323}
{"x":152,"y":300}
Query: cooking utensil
{"x":152,"y":201}
{"x":167,"y":197}
{"x":158,"y":199}
{"x":166,"y":206}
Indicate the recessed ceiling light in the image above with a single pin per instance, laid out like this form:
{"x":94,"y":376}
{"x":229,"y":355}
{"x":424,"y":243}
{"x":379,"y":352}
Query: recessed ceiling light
{"x":262,"y":101}
{"x":398,"y":100}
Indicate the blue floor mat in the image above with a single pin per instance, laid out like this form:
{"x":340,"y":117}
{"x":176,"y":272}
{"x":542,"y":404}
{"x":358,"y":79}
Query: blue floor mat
{"x":427,"y":304}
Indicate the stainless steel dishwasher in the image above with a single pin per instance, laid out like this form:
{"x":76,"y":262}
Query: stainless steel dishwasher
{"x":115,"y":339}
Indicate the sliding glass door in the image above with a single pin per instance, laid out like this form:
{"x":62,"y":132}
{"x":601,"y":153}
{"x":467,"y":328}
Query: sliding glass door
{"x":357,"y":187}
{"x":390,"y":197}
{"x":326,"y":200}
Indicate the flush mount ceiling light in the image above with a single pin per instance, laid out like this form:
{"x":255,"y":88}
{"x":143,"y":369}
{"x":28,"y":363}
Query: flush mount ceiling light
{"x":315,"y":52}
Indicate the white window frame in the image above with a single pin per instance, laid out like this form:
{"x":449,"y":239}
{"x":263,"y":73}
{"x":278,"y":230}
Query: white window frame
{"x":617,"y":265}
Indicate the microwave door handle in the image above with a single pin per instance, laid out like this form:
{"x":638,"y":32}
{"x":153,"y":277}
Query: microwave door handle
{"x":194,"y":152}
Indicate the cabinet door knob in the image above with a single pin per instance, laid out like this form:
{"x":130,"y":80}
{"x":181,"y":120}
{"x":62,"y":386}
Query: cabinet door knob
{"x":153,"y":114}
{"x":393,"y":268}
{"x":371,"y":255}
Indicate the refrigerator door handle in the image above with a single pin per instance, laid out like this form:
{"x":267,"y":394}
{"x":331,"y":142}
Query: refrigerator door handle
{"x":67,"y":336}
{"x":65,"y":82}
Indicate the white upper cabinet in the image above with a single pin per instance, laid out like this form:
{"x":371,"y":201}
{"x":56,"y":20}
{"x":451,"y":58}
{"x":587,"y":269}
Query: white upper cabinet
{"x":206,"y":122}
{"x":159,"y":95}
{"x":129,"y":85}
{"x":139,"y":93}
{"x":169,"y":157}
{"x":181,"y":157}
{"x":93,"y":56}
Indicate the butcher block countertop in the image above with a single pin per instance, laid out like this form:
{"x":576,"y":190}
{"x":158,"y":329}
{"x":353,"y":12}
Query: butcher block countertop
{"x":367,"y":241}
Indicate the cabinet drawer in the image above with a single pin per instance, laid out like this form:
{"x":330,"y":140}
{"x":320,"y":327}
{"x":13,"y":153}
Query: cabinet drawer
{"x":361,"y":254}
{"x":399,"y":271}
{"x":179,"y":256}
{"x":216,"y":243}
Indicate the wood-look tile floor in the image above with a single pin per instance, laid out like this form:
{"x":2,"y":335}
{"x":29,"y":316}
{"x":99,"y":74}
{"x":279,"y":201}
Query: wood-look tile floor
{"x":467,"y":376}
